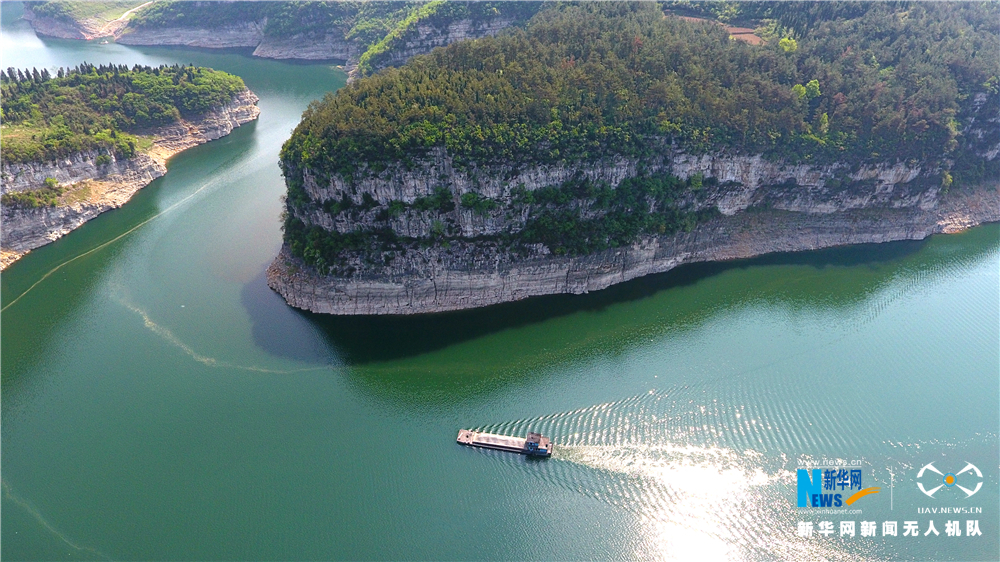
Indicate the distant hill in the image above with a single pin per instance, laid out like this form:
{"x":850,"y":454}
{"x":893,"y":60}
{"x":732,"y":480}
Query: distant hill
{"x":366,"y":35}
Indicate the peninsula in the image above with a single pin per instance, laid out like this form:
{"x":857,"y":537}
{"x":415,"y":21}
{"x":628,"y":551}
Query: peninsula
{"x":609,"y":141}
{"x":85,"y":140}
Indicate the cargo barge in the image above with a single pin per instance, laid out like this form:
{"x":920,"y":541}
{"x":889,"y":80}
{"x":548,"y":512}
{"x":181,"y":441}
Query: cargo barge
{"x":535,"y":445}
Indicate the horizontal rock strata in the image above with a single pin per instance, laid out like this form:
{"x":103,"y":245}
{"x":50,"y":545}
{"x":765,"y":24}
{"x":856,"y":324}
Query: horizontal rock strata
{"x":430,"y":282}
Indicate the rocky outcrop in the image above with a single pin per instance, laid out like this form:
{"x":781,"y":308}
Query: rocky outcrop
{"x":436,"y":280}
{"x":243,"y":34}
{"x":52,"y":27}
{"x":432,"y":233}
{"x":331,"y":45}
{"x":86,"y":29}
{"x":425,"y":37}
{"x":75,"y":168}
{"x":742,"y":181}
{"x":92,"y":187}
{"x":304,"y":46}
{"x":763,"y":206}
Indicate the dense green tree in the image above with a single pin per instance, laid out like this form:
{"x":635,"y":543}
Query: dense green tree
{"x":101,"y":107}
{"x":865,"y":83}
{"x":585,"y":81}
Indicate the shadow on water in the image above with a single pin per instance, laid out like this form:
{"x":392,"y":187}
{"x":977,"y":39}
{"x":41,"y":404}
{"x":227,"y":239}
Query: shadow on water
{"x":282,"y":330}
{"x":360,"y":340}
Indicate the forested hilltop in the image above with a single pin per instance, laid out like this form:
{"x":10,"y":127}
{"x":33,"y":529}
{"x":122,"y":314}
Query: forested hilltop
{"x":101,"y":107}
{"x":586,"y":81}
{"x":846,"y":86}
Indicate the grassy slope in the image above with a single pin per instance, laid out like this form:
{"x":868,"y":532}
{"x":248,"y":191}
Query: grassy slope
{"x":101,"y":12}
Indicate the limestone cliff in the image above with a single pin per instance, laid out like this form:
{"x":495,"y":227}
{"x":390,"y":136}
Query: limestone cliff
{"x":240,"y":34}
{"x":331,"y":45}
{"x":457,"y":258}
{"x":425,"y":36}
{"x":90,"y":187}
{"x":436,"y":279}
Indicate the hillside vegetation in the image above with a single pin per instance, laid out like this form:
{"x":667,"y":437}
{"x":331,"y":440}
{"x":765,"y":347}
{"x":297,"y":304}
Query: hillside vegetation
{"x":102,"y":12}
{"x":439,"y":13}
{"x":595,"y":82}
{"x":368,"y":20}
{"x":585,"y":81}
{"x":101,"y":107}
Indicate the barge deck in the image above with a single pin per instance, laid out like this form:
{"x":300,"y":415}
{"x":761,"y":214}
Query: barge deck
{"x":534,"y":445}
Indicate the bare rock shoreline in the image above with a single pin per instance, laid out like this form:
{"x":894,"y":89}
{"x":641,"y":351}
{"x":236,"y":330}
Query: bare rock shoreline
{"x":436,"y":287}
{"x":92,"y":188}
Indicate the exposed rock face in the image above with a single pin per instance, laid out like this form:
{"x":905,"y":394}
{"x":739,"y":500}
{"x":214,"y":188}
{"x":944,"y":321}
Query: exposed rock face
{"x":94,"y":188}
{"x":309,"y":47}
{"x":431,"y":234}
{"x":87,"y":29}
{"x":76,"y":168}
{"x":51,"y":27}
{"x":243,"y":34}
{"x":751,"y":172}
{"x":436,"y":280}
{"x":426,"y":37}
{"x":332,"y":45}
{"x":329,"y":46}
{"x":765,"y":206}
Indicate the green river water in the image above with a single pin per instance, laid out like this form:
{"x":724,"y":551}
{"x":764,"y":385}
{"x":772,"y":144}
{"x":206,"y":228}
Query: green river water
{"x":160,"y":402}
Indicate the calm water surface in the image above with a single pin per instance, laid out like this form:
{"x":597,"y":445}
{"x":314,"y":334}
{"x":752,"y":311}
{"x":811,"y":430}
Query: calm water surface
{"x":160,"y":402}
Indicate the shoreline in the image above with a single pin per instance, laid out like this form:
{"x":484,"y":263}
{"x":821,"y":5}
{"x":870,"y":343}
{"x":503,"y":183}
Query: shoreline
{"x":330,"y":45}
{"x":85,"y":30}
{"x":90,"y":191}
{"x":746,"y":234}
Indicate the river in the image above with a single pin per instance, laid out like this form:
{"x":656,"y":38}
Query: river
{"x":160,"y":402}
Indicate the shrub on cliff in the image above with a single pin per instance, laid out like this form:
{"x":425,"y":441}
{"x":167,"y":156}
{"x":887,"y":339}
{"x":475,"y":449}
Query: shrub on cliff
{"x":45,"y":196}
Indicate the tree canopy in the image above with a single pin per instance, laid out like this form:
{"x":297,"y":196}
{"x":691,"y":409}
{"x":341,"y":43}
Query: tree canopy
{"x":88,"y":107}
{"x":882,"y":82}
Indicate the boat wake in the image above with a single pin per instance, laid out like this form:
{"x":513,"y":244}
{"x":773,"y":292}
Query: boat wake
{"x":690,"y":500}
{"x":44,"y":523}
{"x":167,"y":335}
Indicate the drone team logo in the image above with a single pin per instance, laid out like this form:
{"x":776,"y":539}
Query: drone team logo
{"x":935,"y":480}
